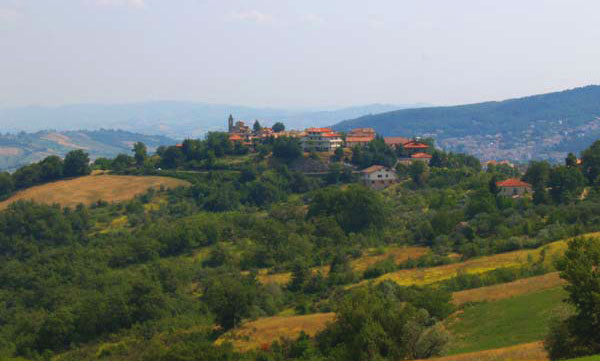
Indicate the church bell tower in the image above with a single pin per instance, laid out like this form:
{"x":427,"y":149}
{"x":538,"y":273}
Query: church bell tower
{"x":230,"y":123}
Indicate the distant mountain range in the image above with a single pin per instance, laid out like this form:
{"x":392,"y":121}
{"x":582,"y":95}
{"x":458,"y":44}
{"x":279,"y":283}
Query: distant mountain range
{"x":546,"y":126}
{"x":173,"y":119}
{"x":23,"y":148}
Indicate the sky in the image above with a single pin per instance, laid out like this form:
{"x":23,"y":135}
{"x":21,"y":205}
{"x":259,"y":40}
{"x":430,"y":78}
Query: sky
{"x":294,"y":53}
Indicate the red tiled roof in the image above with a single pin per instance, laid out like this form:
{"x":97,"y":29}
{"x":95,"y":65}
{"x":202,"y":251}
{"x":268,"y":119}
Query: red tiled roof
{"x":358,"y":139}
{"x":415,"y":145}
{"x":421,"y":156}
{"x":319,"y":130}
{"x":513,"y":182}
{"x":373,"y":168}
{"x":331,"y":135}
{"x":395,"y":140}
{"x":235,"y":137}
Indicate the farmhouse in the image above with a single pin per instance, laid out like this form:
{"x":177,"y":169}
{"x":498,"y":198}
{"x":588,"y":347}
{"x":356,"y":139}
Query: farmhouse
{"x":423,"y":157}
{"x":321,"y":140}
{"x":378,"y":177}
{"x":513,"y":187}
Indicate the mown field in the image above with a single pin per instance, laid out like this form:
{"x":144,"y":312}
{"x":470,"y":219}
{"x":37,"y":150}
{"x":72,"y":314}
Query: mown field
{"x":508,"y":290}
{"x":264,"y":331}
{"x":502,"y":323}
{"x":90,"y":189}
{"x":533,"y":351}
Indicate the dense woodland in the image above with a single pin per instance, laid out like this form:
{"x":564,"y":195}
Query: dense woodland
{"x":162,"y":276}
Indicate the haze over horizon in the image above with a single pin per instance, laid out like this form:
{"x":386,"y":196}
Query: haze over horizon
{"x":290,"y":54}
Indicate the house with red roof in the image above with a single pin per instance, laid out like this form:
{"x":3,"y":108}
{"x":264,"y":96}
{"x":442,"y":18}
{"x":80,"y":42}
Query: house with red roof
{"x":395,"y":141}
{"x":420,"y":156}
{"x":378,"y":177}
{"x":514,"y":187}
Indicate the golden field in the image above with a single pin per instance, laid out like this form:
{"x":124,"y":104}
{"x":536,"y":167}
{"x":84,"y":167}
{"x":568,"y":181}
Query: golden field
{"x":92,"y":188}
{"x":526,"y":352}
{"x":507,"y":290}
{"x":265,"y":331}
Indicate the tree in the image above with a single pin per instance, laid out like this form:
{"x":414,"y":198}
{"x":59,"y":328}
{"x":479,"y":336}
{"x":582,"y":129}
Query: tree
{"x":278,"y":127}
{"x":256,"y":127}
{"x":122,"y":162}
{"x":287,"y":148}
{"x":7,"y":185}
{"x":493,"y":185}
{"x":538,"y":174}
{"x":77,"y":163}
{"x":355,"y":208}
{"x":51,"y":168}
{"x":172,"y":158}
{"x":418,"y":172}
{"x":565,"y":183}
{"x":231,"y":298}
{"x":571,"y":160}
{"x":140,"y":153}
{"x":338,"y":154}
{"x":591,"y":163}
{"x":578,"y":335}
{"x":27,"y":176}
{"x":372,"y":325}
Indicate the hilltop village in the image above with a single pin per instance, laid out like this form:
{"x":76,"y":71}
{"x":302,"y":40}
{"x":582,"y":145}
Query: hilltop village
{"x":329,"y":142}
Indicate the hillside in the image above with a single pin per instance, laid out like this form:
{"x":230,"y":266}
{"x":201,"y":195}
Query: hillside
{"x":253,"y":251}
{"x":24,"y":148}
{"x":546,"y":126}
{"x":172,"y":118}
{"x":90,"y":189}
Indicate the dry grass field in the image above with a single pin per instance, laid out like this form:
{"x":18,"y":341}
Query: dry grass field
{"x":525,"y":352}
{"x":399,"y":253}
{"x":89,"y":189}
{"x":507,"y":290}
{"x":265,"y":331}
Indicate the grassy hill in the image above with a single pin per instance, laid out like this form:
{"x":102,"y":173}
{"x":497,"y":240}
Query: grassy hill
{"x":542,"y":126}
{"x":21,"y":149}
{"x":90,"y":189}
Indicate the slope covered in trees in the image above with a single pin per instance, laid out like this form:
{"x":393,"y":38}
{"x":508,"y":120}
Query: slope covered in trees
{"x":543,"y":126}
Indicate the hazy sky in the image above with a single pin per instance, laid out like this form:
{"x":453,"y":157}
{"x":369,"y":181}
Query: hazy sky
{"x":294,"y":53}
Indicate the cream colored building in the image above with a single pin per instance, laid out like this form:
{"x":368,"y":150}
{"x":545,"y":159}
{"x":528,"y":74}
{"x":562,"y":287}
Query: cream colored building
{"x":321,"y":140}
{"x":378,"y":177}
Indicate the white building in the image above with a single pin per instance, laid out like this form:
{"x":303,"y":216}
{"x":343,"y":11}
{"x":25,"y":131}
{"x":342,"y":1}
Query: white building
{"x":378,"y":177}
{"x":321,"y":140}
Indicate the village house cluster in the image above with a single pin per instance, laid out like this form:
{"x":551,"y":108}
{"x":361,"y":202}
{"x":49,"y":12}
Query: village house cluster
{"x":326,"y":140}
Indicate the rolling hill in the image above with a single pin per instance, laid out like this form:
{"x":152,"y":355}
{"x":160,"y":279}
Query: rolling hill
{"x":546,"y":126}
{"x":24,"y":148}
{"x":90,"y":189}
